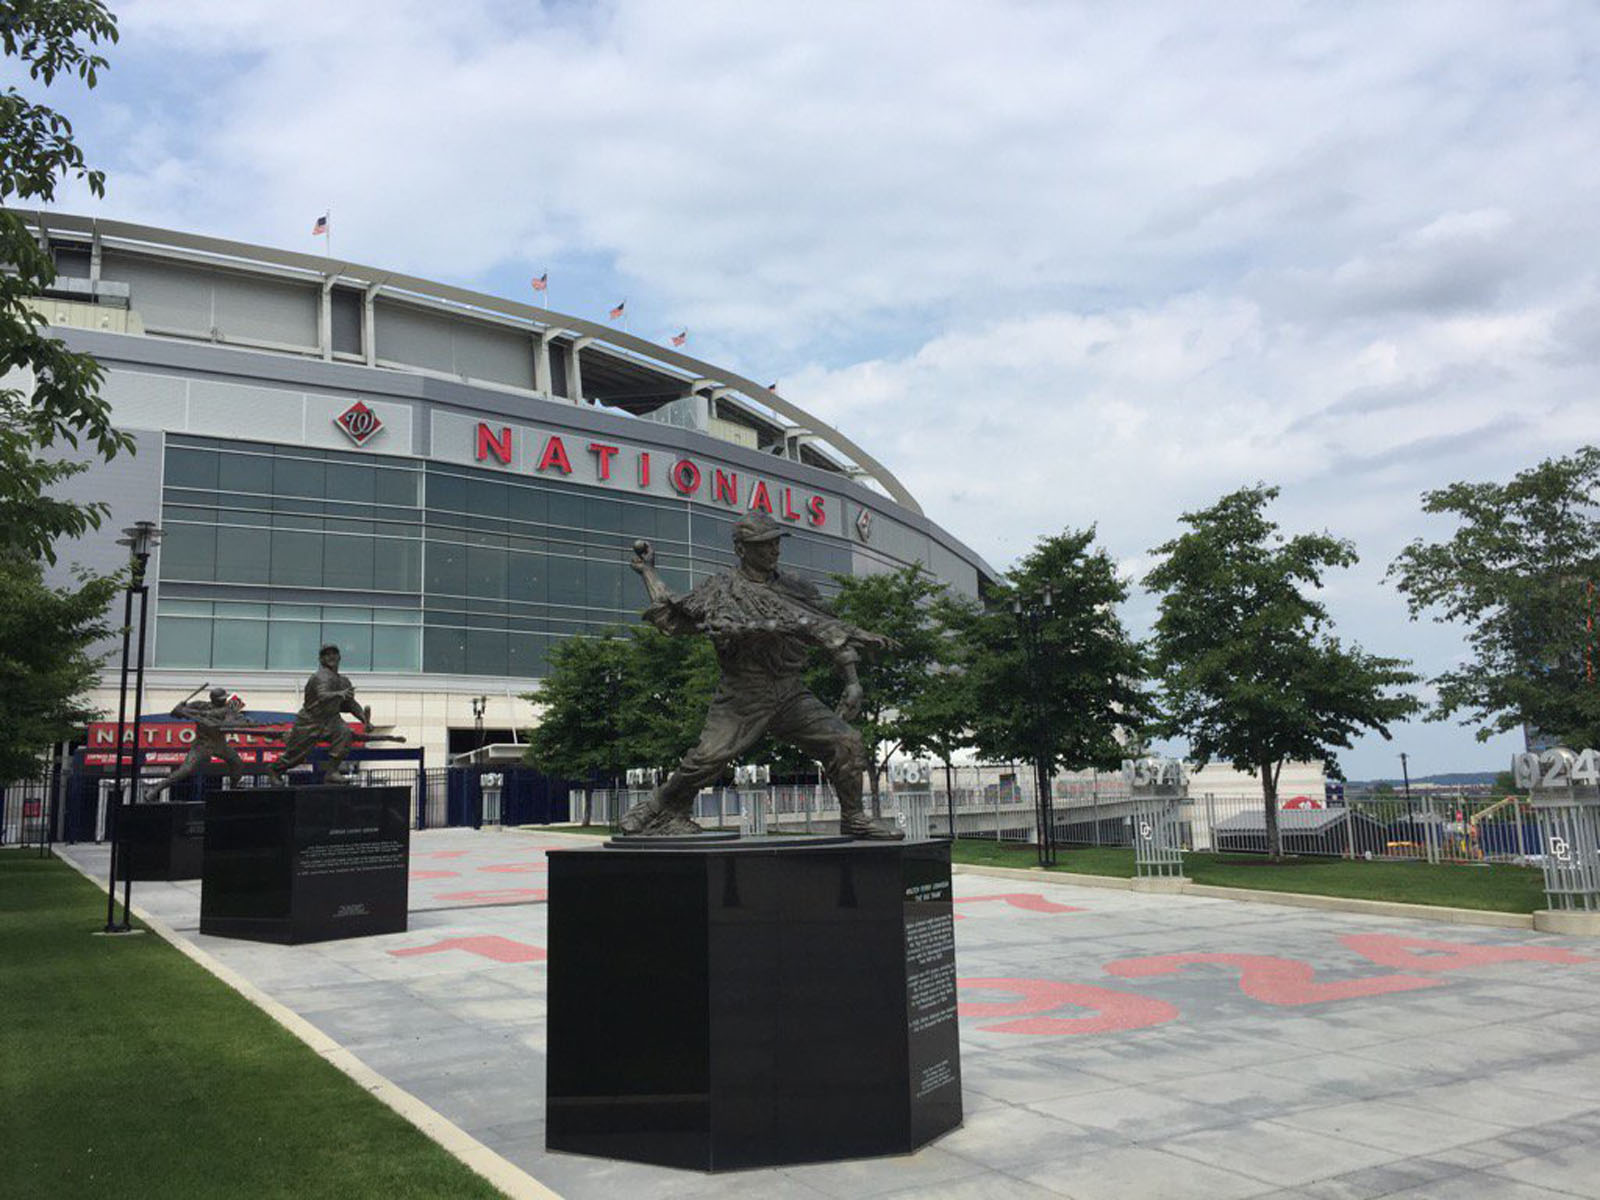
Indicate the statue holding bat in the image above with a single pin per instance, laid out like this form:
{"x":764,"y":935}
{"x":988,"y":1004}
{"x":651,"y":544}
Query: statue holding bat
{"x":213,"y":718}
{"x":763,"y":624}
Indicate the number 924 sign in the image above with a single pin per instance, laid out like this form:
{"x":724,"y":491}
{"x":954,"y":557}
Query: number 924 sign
{"x":1556,"y":768}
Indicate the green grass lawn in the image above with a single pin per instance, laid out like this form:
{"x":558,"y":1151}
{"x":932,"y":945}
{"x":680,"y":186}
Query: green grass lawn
{"x":128,"y":1071}
{"x":1495,"y":888}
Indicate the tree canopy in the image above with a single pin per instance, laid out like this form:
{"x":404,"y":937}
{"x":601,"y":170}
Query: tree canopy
{"x":1082,"y":692}
{"x":1250,"y":673}
{"x":1520,"y":572}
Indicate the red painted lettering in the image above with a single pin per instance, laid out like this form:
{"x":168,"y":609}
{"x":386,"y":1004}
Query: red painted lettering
{"x":602,"y":454}
{"x":789,"y":513}
{"x":1391,"y":950}
{"x":555,"y":454}
{"x":644,"y":470}
{"x":686,"y":477}
{"x":498,"y":445}
{"x":515,"y":868}
{"x":818,"y":511}
{"x":725,"y":487}
{"x":1029,"y":901}
{"x":760,"y":499}
{"x":434,"y":875}
{"x":1109,"y":1011}
{"x":1272,"y":980}
{"x":490,"y":946}
{"x":495,"y":895}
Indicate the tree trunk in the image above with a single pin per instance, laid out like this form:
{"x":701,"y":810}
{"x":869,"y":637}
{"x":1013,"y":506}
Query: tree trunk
{"x":874,"y":774}
{"x":1269,"y":799}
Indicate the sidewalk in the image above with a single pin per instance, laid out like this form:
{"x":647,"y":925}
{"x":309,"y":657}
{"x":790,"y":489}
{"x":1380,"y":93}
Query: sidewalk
{"x":1115,"y":1044}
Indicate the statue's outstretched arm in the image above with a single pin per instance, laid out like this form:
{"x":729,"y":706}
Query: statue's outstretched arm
{"x":644,"y":562}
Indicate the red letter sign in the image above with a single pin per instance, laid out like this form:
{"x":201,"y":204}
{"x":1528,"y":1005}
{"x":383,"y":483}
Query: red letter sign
{"x":555,"y":454}
{"x":499,"y":446}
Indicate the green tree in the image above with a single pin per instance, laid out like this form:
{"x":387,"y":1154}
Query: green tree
{"x":941,"y":716}
{"x":1520,"y":573}
{"x":1081,"y":693}
{"x":894,"y":604}
{"x":45,"y":666}
{"x":1248,"y":669}
{"x":55,"y":398}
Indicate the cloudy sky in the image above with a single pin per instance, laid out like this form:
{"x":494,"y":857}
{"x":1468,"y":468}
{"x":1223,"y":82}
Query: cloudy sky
{"x":1056,"y":264}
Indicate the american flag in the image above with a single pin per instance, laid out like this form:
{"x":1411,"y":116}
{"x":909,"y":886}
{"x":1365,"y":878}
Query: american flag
{"x":617,"y":311}
{"x":773,"y":386}
{"x":680,"y":338}
{"x":542,"y":282}
{"x":321,"y":227}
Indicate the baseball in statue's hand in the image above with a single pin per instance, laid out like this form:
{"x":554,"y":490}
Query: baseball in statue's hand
{"x":644,"y":555}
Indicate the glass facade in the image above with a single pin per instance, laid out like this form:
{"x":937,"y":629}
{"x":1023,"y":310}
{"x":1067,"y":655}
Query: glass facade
{"x":410,"y":566}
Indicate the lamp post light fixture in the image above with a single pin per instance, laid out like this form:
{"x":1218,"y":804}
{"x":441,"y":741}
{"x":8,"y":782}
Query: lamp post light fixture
{"x":1032,"y":614}
{"x":479,"y":705}
{"x":141,"y":538}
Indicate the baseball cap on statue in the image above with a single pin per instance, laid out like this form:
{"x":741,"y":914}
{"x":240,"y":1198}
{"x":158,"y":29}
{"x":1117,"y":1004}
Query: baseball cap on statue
{"x":757,"y":527}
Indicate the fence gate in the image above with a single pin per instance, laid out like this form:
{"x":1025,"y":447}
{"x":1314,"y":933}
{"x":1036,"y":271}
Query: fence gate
{"x":1158,"y":788}
{"x":913,"y":812}
{"x":1569,"y":827}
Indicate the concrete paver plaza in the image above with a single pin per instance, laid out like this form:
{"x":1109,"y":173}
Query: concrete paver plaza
{"x":1114,"y":1044}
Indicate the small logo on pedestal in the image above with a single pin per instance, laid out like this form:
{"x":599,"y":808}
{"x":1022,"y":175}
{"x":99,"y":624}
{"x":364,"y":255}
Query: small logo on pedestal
{"x":360,"y":423}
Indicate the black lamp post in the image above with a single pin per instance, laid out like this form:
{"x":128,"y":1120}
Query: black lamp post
{"x":141,"y":538}
{"x":479,"y":704}
{"x":1031,"y":614}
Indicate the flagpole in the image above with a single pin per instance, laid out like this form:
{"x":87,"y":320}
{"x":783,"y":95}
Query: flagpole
{"x":327,"y":238}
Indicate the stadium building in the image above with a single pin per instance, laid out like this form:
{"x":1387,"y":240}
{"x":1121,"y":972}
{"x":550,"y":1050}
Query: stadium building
{"x":444,"y":483}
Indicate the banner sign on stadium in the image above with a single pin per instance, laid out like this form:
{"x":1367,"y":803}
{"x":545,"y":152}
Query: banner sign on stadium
{"x":164,"y":741}
{"x":607,"y":463}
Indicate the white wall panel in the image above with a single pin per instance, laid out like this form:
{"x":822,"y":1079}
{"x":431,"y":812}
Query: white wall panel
{"x":234,"y":410}
{"x":265,"y":310}
{"x":145,"y":401}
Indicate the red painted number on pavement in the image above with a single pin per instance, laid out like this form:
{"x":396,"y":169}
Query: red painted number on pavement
{"x":489,"y":946}
{"x":1028,"y":901}
{"x":435,"y":875}
{"x":1109,"y":1011}
{"x":515,"y":868}
{"x":1272,"y":980}
{"x":443,"y":854}
{"x":1390,"y":950}
{"x":494,"y":894}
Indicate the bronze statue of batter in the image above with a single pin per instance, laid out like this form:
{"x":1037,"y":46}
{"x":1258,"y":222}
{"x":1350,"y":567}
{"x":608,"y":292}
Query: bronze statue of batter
{"x":763,"y":624}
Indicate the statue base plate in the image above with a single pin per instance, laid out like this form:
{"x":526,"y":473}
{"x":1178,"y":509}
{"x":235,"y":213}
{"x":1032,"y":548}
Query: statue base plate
{"x":752,"y":1003}
{"x":306,"y":864}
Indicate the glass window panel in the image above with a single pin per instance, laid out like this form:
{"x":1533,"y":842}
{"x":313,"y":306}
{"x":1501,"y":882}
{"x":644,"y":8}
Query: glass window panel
{"x":525,"y":578}
{"x":239,"y":644}
{"x":525,"y":654}
{"x":243,"y":555}
{"x":188,"y":512}
{"x":189,"y":552}
{"x":347,"y":562}
{"x":396,"y":648}
{"x":486,"y":572}
{"x":446,"y":568}
{"x":183,"y":642}
{"x":290,"y":504}
{"x":396,"y":565}
{"x":190,"y":468}
{"x":348,"y":525}
{"x":526,"y":504}
{"x":296,"y":558}
{"x":486,"y":652}
{"x":566,"y":510}
{"x":395,"y":487}
{"x":486,"y":497}
{"x":298,"y":477}
{"x":245,"y":473}
{"x":447,"y":493}
{"x":347,"y":614}
{"x":354,"y":642}
{"x":293,"y":645}
{"x":296,"y":612}
{"x":565,"y":580}
{"x":242,"y":609}
{"x":184,"y":608}
{"x":604,"y":515}
{"x":603,"y":584}
{"x":676,"y":578}
{"x":444,"y":651}
{"x":351,"y":482}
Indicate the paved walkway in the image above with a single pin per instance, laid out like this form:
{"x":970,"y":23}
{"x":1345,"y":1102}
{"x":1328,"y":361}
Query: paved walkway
{"x":1115,"y":1044}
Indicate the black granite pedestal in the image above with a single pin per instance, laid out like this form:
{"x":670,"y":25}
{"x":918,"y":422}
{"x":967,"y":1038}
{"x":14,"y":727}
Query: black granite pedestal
{"x":306,"y":864}
{"x":161,"y":841}
{"x":751,"y":1003}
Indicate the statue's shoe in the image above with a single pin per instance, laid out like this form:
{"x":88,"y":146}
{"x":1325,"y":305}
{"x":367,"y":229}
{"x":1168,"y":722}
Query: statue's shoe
{"x":863,"y":827}
{"x":650,"y":820}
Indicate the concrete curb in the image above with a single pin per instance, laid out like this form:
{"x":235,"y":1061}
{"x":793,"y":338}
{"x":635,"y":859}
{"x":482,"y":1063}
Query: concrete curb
{"x":511,"y":1179}
{"x":1376,"y":908}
